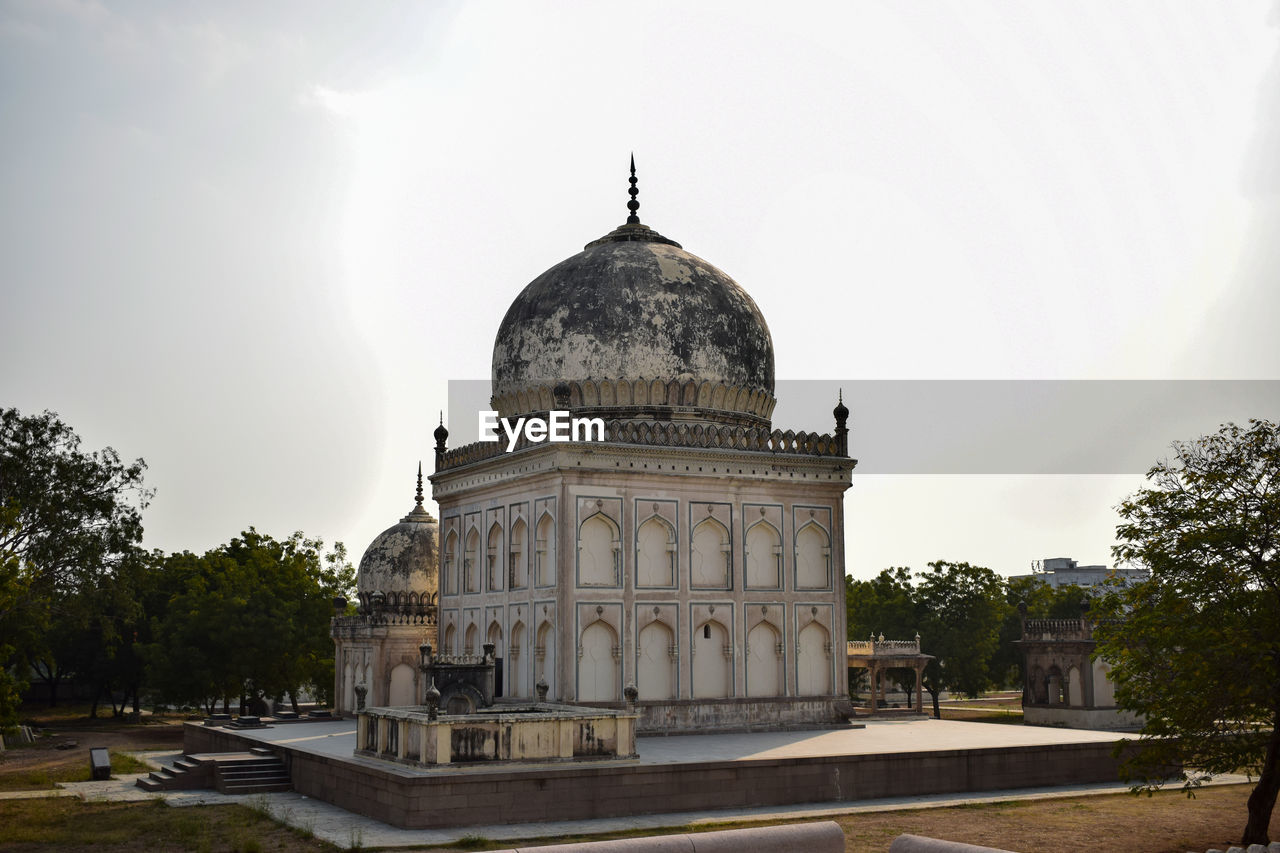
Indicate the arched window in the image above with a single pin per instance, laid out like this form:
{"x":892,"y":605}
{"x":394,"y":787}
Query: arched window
{"x":712,"y":661}
{"x":450,"y":645}
{"x":813,"y":558}
{"x":546,"y":551}
{"x":656,"y":553}
{"x":518,"y":572}
{"x":764,"y":661}
{"x":709,"y":561}
{"x":471,"y":561}
{"x":598,"y":552}
{"x":1039,"y":686}
{"x":1073,"y":694}
{"x":656,"y":664}
{"x":495,"y":563}
{"x":469,"y":646}
{"x":1055,"y":686}
{"x":598,"y":659}
{"x":763,"y":557}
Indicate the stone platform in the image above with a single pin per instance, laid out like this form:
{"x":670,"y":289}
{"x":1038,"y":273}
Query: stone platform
{"x":683,"y":773}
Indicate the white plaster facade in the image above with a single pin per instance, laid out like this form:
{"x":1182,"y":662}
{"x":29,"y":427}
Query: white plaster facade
{"x":707,"y":578}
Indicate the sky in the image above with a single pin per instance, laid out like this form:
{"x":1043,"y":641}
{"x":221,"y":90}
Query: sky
{"x":253,"y":243}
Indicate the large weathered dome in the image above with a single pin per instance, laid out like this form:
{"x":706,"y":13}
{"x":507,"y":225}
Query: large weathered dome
{"x":629,"y":315}
{"x":402,"y":560}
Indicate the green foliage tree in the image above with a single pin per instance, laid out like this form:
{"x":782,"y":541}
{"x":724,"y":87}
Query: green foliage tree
{"x":72,"y":520}
{"x":247,"y":618}
{"x":1196,"y":649}
{"x":961,"y":609}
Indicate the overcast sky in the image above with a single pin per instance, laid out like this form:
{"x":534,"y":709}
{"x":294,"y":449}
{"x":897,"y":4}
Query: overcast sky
{"x":253,"y":242}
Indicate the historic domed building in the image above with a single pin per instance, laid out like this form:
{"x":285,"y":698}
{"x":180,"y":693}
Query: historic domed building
{"x":376,"y":651}
{"x":695,"y":552}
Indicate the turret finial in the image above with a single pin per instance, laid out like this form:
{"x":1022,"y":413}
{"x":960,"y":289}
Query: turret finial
{"x":633,"y":205}
{"x":418,"y":494}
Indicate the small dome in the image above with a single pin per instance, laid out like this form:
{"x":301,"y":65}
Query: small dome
{"x":402,"y":559}
{"x":635,"y":308}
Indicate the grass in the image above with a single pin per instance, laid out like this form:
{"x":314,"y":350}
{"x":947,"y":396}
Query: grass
{"x":69,"y":824}
{"x":40,"y":778}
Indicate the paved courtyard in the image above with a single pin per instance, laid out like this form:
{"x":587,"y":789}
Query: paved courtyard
{"x":338,"y":738}
{"x":347,"y":829}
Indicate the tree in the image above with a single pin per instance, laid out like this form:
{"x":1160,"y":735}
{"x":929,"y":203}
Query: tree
{"x":248,"y":618}
{"x":961,"y":609}
{"x":1195,"y":650}
{"x":71,"y":520}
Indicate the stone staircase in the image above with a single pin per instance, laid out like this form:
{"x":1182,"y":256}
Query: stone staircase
{"x":261,"y":773}
{"x":257,"y":771}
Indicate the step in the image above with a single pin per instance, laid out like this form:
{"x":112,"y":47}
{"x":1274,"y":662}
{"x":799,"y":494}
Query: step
{"x":262,"y":750}
{"x":258,"y":788}
{"x":149,"y":784}
{"x":269,"y":775}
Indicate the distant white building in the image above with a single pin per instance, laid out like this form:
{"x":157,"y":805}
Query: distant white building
{"x":1064,"y":571}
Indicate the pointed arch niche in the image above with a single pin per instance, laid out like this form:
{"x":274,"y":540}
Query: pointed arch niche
{"x":710,"y":548}
{"x":599,"y":661}
{"x":656,"y":545}
{"x":544,"y":552}
{"x":813,"y":548}
{"x":518,"y":553}
{"x":599,"y":551}
{"x":472,"y":560}
{"x":765,"y":651}
{"x":451,"y":559}
{"x":495,"y":564}
{"x":762,"y":553}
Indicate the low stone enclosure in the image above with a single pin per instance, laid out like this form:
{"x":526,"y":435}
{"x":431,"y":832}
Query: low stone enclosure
{"x":489,"y":793}
{"x":536,"y":731}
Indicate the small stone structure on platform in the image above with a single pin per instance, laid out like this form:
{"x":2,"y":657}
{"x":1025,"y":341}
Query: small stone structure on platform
{"x":1064,"y":684}
{"x":530,"y":732}
{"x":462,"y":684}
{"x":878,"y":656}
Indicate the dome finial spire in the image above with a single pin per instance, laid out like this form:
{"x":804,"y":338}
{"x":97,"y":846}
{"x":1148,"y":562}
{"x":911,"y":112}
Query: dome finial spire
{"x":418,"y":494}
{"x":633,"y":205}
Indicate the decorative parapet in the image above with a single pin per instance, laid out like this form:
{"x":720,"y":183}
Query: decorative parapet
{"x":883,"y":647}
{"x":417,"y":614}
{"x":671,"y":434}
{"x":1057,"y":629}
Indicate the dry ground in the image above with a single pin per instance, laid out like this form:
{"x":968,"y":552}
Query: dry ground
{"x":1165,"y":823}
{"x":40,"y":765}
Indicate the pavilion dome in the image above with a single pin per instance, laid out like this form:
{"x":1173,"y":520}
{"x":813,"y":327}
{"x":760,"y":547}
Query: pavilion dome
{"x":631,"y":325}
{"x":402,"y":562}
